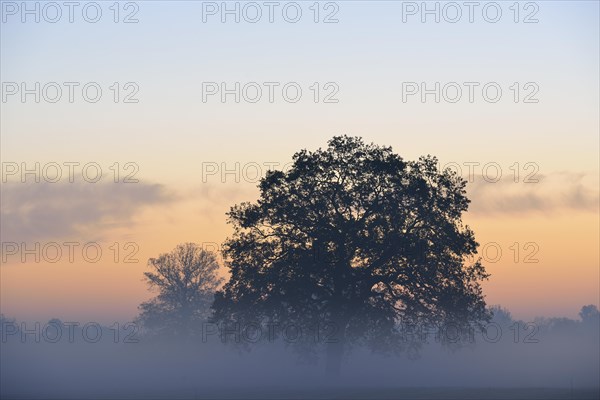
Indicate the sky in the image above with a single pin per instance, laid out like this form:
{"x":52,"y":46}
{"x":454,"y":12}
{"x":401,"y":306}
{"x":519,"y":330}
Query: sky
{"x":184,"y":156}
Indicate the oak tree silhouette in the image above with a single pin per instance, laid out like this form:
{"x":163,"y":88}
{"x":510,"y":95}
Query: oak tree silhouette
{"x":356,"y":241}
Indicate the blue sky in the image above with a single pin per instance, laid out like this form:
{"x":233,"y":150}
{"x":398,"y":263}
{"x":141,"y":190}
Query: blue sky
{"x":368,"y":54}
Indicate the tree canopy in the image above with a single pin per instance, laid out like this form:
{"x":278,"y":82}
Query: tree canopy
{"x":355,"y":237}
{"x":186,"y":280}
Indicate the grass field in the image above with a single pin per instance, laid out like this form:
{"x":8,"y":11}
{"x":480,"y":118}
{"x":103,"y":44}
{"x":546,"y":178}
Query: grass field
{"x":343,"y":393}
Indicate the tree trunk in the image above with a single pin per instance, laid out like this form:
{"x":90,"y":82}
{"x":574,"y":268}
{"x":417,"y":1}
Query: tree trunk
{"x":335,"y":348}
{"x":335,"y":356}
{"x":340,"y":317}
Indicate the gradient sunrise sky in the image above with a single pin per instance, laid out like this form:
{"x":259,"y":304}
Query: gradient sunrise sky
{"x":172,"y":135}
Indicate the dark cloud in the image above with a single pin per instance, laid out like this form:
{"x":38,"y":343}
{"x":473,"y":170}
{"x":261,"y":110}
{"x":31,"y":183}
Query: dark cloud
{"x":561,"y":191}
{"x":38,"y":211}
{"x":47,"y":211}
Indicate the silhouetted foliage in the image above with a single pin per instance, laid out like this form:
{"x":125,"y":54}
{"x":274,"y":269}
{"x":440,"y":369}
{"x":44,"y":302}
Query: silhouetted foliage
{"x":8,"y":326}
{"x":590,"y":316}
{"x":186,"y":279}
{"x":356,"y":241}
{"x":501,"y":316}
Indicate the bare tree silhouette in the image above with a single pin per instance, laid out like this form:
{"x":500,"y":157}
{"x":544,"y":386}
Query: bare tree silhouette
{"x":186,"y":279}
